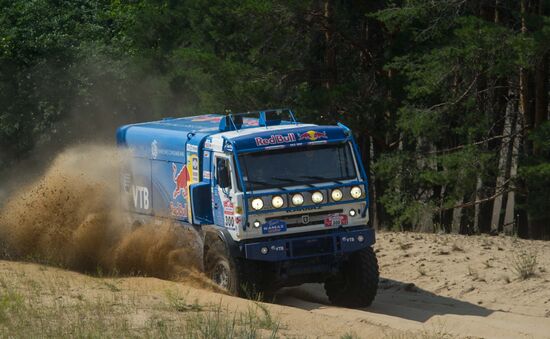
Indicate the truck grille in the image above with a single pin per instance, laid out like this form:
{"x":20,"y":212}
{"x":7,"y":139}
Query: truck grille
{"x":305,"y":219}
{"x":312,"y":246}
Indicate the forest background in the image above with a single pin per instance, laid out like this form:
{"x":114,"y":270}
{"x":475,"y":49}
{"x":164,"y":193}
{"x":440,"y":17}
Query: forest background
{"x":448,"y":99}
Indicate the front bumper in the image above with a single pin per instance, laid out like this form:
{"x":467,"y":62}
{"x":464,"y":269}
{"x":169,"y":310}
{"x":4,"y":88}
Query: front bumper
{"x":334,"y":243}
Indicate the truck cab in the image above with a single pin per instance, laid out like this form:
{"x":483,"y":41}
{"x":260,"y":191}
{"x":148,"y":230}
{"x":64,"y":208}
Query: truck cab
{"x":278,"y":202}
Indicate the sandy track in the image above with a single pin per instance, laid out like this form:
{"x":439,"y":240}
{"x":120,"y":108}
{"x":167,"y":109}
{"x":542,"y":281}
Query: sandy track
{"x":468,"y":291}
{"x":450,"y":285}
{"x":423,"y":311}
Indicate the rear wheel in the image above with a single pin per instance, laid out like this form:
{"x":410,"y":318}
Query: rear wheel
{"x":357,"y":282}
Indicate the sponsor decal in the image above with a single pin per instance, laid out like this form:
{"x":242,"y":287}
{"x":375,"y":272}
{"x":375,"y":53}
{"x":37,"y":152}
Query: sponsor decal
{"x":208,"y":118}
{"x":207,"y":144}
{"x":274,"y":226}
{"x":206,"y":175}
{"x":228,"y":208}
{"x":312,"y":136}
{"x":336,"y":220}
{"x":167,"y":152}
{"x":192,"y":148}
{"x":181,"y":179}
{"x":154,"y":149}
{"x":229,"y":221}
{"x":178,"y":210}
{"x":141,"y":197}
{"x":304,"y":209}
{"x":126,"y":182}
{"x":251,"y":122}
{"x":275,"y":139}
{"x":193,"y":164}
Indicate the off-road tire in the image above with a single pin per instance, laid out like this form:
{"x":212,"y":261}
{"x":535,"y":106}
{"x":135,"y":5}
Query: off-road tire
{"x":240,"y":278}
{"x":355,"y":285}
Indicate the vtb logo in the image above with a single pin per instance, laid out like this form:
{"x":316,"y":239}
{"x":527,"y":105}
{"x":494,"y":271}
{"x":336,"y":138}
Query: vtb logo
{"x":312,"y":136}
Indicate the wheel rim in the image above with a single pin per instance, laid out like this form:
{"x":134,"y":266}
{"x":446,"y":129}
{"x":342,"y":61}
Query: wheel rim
{"x":221,"y":274}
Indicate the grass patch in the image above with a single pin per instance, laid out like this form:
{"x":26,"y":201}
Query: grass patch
{"x":219,"y":323}
{"x":60,"y":308}
{"x":179,"y":303}
{"x":524,"y":263}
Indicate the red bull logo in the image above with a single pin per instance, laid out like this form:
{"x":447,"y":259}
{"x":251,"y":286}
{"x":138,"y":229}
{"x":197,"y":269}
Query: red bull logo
{"x":275,"y":140}
{"x":313,"y":135}
{"x":181,"y":179}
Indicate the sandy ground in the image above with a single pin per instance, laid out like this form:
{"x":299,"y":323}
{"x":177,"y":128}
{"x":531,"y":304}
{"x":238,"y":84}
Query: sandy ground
{"x":453,"y":285}
{"x":433,"y":286}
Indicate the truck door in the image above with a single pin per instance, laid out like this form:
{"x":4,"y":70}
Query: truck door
{"x":223,"y":191}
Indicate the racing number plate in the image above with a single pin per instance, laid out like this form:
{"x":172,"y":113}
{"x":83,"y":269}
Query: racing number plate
{"x":336,"y":220}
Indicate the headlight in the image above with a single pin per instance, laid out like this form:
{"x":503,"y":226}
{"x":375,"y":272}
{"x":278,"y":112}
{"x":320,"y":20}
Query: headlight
{"x":277,"y":201}
{"x":297,"y":199}
{"x":317,"y":197}
{"x":336,"y":195}
{"x":257,"y":204}
{"x":356,"y":192}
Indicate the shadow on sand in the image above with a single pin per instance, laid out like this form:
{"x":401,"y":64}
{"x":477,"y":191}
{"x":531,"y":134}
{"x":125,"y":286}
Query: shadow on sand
{"x":394,"y":298}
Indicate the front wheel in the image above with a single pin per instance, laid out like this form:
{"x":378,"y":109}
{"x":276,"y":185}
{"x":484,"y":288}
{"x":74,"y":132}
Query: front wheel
{"x":232,"y":274}
{"x":356,"y":283}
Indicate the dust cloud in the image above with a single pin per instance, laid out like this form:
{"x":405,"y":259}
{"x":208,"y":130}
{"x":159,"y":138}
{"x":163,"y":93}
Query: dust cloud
{"x":72,"y":217}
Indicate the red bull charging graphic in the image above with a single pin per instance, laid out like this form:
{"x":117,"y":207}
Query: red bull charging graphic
{"x":312,"y":136}
{"x":180,"y":179}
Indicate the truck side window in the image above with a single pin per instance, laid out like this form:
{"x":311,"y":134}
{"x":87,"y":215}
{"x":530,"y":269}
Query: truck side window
{"x":222,"y":173}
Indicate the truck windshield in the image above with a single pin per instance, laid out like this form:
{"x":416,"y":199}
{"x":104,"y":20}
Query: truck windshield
{"x":298,"y":166}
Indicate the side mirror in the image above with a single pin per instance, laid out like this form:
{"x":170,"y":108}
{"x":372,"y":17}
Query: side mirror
{"x":222,"y":173}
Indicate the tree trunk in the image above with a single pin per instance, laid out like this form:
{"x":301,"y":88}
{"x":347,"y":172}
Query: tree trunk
{"x":502,"y":165}
{"x":477,"y":211}
{"x":457,"y":217}
{"x":509,"y":220}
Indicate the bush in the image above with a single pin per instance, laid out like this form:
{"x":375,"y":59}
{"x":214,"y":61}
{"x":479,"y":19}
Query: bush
{"x":524,"y":264}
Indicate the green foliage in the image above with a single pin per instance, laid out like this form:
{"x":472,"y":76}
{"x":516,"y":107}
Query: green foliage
{"x":426,"y":81}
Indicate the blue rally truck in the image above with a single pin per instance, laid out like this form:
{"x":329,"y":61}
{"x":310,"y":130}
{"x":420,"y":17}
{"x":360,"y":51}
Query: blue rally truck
{"x":277,"y":202}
